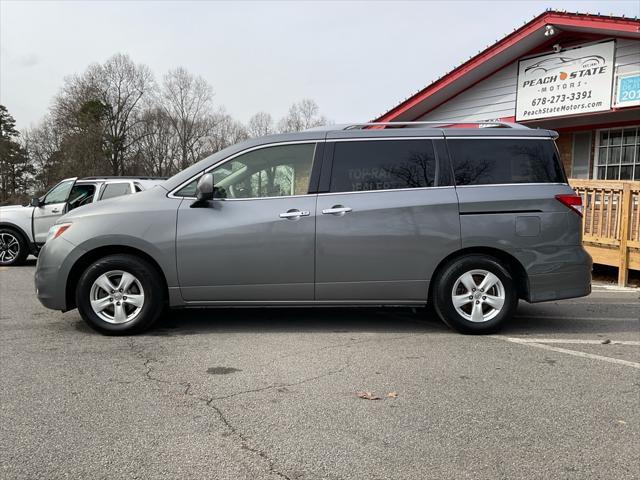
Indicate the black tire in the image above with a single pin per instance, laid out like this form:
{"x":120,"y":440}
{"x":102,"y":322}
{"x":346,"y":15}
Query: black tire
{"x":7,"y":234}
{"x":443,"y":294}
{"x":152,"y":288}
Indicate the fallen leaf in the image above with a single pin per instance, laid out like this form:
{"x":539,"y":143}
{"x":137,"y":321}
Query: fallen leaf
{"x":392,"y":394}
{"x":367,"y":396}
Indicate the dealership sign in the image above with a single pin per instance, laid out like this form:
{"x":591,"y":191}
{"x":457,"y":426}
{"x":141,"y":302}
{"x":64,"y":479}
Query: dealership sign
{"x":571,"y":82}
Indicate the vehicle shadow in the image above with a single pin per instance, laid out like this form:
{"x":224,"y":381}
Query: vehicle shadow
{"x":29,"y":262}
{"x":303,"y":320}
{"x":528,"y":321}
{"x":554,"y":325}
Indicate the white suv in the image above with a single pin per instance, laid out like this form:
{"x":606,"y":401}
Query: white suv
{"x":23,"y":229}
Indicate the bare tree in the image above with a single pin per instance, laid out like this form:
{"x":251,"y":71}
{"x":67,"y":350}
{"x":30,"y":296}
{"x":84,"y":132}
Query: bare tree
{"x":113,"y":119}
{"x":225,"y":131}
{"x":122,"y":85}
{"x":187,"y":101}
{"x":260,"y":124}
{"x":157,"y":145}
{"x":302,"y":115}
{"x":106,"y":102}
{"x":44,"y":145}
{"x":78,"y":114}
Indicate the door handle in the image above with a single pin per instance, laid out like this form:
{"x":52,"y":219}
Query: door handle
{"x":55,"y":210}
{"x":294,"y":213}
{"x":336,"y":210}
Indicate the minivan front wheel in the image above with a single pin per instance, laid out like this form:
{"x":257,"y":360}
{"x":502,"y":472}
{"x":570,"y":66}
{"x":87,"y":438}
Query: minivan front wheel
{"x":475,"y":294}
{"x":120,"y":295}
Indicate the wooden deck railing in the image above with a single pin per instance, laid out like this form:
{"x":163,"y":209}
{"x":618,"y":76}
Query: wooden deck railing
{"x":611,"y":223}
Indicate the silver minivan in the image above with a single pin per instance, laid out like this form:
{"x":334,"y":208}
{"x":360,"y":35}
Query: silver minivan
{"x":469,"y":220}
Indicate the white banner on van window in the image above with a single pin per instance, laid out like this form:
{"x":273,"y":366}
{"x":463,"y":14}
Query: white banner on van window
{"x":571,"y":82}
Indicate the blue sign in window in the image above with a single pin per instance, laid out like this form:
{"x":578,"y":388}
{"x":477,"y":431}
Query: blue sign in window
{"x":629,"y":89}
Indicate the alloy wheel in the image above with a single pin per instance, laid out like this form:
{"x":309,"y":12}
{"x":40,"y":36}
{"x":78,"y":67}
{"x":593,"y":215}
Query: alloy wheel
{"x":117,"y":297}
{"x":478,"y":295}
{"x":9,"y":247}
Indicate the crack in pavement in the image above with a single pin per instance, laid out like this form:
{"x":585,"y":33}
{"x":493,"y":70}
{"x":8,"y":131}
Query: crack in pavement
{"x":244,"y":442}
{"x":281,"y":385}
{"x":148,"y":360}
{"x":139,"y":351}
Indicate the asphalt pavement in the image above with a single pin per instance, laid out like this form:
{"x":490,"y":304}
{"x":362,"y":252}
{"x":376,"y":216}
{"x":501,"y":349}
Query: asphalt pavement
{"x":273,"y":393}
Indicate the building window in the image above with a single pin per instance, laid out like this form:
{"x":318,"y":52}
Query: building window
{"x":618,"y":154}
{"x":580,"y":155}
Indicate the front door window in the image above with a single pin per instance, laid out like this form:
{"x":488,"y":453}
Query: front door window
{"x":59,"y":193}
{"x":279,"y":171}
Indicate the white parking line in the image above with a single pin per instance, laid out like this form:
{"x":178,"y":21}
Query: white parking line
{"x":575,"y":353}
{"x":564,"y":317}
{"x":613,"y":288}
{"x":576,"y":340}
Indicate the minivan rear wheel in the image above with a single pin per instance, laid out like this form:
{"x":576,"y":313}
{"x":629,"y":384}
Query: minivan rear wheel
{"x":475,"y":294}
{"x":120,"y":295}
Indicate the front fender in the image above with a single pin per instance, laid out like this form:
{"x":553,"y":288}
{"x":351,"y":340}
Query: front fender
{"x":145,"y":222}
{"x":161,"y":250}
{"x":18,"y":218}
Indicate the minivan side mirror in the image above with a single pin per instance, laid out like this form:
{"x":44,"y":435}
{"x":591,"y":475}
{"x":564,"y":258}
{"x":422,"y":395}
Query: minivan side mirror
{"x":204,"y":190}
{"x":35,"y":202}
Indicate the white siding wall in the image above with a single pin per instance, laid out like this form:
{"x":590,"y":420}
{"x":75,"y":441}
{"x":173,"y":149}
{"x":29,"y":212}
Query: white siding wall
{"x":627,"y":55}
{"x":495,"y":96}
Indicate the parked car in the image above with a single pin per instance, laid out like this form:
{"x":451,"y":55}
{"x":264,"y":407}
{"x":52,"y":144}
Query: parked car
{"x":23,"y":229}
{"x":469,"y":219}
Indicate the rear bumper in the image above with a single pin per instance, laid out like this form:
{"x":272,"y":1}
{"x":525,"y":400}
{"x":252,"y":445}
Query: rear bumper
{"x":562,"y":280}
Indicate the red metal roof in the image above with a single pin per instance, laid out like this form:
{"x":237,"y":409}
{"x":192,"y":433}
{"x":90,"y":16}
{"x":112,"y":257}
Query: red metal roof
{"x":514,"y":45}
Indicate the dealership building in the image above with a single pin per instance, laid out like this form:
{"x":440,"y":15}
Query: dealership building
{"x":578,"y":74}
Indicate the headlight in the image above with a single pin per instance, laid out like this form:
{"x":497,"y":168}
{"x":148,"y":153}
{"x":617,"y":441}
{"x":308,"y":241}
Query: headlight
{"x":57,"y":230}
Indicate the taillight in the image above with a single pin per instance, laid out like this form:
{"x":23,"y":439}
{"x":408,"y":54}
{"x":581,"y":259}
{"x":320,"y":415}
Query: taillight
{"x":571,"y":200}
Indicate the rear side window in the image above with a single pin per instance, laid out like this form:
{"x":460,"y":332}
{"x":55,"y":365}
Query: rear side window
{"x":382,"y":165}
{"x":495,"y":161}
{"x":115,"y":190}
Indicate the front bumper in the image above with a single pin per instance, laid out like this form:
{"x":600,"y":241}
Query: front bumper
{"x":52,"y":271}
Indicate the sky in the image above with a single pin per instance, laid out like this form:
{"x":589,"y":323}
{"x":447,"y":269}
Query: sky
{"x":355,"y":59}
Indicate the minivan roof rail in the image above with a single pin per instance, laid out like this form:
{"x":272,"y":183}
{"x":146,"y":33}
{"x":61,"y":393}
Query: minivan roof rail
{"x":443,"y":124}
{"x":126,"y":177}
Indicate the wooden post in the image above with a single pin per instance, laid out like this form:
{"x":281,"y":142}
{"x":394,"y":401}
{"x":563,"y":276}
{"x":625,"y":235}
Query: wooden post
{"x":625,"y":221}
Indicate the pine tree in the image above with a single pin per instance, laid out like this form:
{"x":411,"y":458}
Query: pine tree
{"x":16,"y":170}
